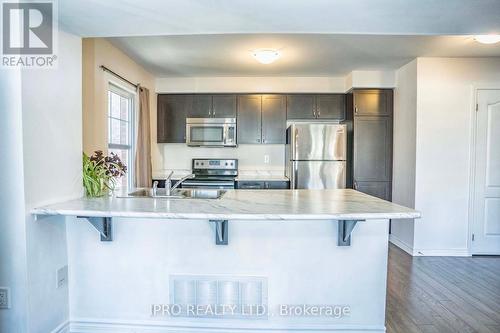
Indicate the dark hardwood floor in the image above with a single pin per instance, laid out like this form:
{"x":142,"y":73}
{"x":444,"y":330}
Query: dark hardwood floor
{"x":442,"y":294}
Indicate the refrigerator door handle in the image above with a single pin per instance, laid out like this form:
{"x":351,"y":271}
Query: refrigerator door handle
{"x":295,"y":176}
{"x":294,"y":143}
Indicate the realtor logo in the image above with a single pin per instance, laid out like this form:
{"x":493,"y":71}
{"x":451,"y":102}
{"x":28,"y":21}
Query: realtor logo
{"x":28,"y":34}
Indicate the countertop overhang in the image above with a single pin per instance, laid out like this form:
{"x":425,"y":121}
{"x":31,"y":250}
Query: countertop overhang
{"x":342,"y":204}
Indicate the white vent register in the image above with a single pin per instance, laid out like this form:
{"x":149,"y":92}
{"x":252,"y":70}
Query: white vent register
{"x":218,"y":296}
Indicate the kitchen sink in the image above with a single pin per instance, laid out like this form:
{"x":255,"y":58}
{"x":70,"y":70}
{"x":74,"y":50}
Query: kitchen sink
{"x":176,"y":194}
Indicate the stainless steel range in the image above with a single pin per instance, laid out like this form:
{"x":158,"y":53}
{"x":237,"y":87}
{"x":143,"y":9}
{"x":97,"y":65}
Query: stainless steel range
{"x":213,"y":173}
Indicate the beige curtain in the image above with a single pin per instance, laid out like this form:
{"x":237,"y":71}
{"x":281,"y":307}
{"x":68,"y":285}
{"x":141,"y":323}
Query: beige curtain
{"x":143,"y":169}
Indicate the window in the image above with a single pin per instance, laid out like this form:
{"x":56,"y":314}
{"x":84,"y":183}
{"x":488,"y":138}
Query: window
{"x":121,"y":129}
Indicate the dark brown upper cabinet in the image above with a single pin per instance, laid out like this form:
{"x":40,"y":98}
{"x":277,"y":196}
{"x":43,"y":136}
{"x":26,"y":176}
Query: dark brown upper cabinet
{"x":249,"y":119}
{"x":300,"y":107}
{"x":213,"y":106}
{"x":261,"y":119}
{"x":171,"y":117}
{"x":330,"y":106}
{"x":224,"y":106}
{"x":324,"y":106}
{"x":373,"y":102}
{"x":273,"y":119}
{"x":201,"y":107}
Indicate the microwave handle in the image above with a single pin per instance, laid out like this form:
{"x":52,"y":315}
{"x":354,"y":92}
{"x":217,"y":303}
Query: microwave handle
{"x":226,"y":133}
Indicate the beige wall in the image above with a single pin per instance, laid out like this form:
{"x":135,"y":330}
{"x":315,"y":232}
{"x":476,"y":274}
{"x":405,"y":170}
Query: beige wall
{"x":242,"y":84}
{"x":404,"y":147}
{"x":276,"y":84}
{"x":97,"y":52}
{"x":436,"y":117}
{"x":445,"y":123}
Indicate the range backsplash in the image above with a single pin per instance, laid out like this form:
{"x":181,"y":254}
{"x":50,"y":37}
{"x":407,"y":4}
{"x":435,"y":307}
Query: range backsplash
{"x":178,"y":156}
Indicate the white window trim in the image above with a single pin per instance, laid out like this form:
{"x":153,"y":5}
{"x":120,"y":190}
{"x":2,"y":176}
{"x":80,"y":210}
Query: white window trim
{"x":119,"y":89}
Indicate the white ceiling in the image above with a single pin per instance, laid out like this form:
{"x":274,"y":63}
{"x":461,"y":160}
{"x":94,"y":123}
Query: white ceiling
{"x":302,"y":54}
{"x":316,"y":37}
{"x":105,"y":18}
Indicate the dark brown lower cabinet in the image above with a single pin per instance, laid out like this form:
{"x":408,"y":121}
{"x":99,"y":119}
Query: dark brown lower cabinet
{"x":262,"y":185}
{"x":372,"y":148}
{"x":380,"y":190}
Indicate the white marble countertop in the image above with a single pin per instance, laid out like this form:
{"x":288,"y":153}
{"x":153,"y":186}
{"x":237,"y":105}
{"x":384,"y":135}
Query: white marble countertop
{"x":241,"y":205}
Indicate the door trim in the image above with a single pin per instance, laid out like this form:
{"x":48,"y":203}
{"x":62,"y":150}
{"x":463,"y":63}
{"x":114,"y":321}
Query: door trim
{"x":475,"y":88}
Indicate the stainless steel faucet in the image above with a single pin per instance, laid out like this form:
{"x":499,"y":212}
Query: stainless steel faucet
{"x":155,"y":188}
{"x":179,"y":182}
{"x":168,"y":187}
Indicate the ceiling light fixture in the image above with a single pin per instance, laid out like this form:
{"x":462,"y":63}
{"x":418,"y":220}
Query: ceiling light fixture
{"x":266,"y":56}
{"x":487,"y":39}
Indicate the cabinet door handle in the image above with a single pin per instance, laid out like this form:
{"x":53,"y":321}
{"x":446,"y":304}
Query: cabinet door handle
{"x":355,"y":185}
{"x":258,"y":140}
{"x":355,"y":109}
{"x":213,"y":112}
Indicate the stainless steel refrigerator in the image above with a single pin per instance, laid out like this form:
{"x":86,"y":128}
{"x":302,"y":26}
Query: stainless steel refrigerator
{"x":316,"y":155}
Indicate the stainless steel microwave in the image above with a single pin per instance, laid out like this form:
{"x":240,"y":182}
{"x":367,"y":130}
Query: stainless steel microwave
{"x":211,"y":132}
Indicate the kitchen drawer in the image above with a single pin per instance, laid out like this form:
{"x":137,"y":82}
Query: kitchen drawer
{"x":250,"y":185}
{"x":262,"y":185}
{"x":277,"y":185}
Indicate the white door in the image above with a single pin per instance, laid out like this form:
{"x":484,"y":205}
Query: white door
{"x":486,"y":210}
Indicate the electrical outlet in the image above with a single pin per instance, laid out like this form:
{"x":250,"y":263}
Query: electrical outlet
{"x":4,"y":298}
{"x":266,"y":159}
{"x":62,"y":277}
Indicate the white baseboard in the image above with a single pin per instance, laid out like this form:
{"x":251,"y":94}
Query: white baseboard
{"x":441,"y":252}
{"x":62,"y":328}
{"x":428,"y":252}
{"x":89,"y":325}
{"x":402,"y":245}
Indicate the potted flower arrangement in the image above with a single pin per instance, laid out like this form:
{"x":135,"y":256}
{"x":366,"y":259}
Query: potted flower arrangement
{"x":101,"y":172}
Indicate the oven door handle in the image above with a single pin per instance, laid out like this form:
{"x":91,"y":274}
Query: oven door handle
{"x":209,"y":183}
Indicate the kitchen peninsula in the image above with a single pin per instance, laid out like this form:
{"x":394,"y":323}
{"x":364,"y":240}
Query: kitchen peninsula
{"x":315,"y":247}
